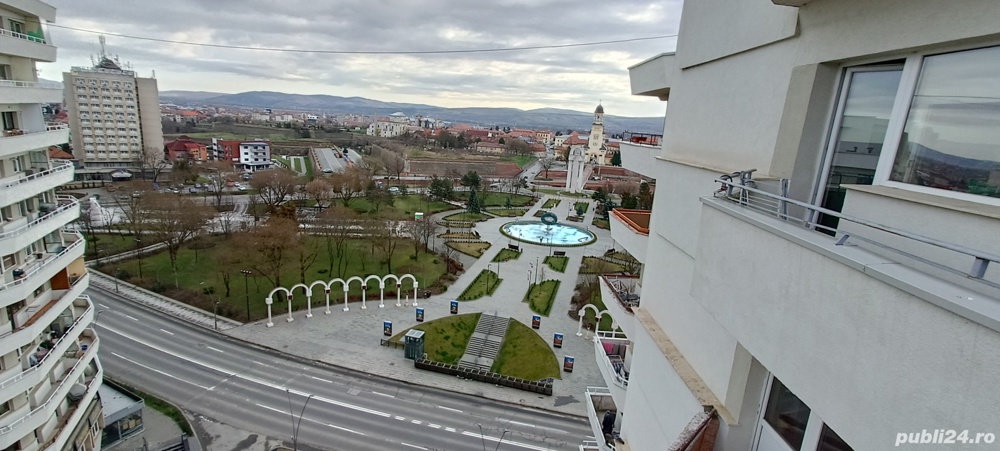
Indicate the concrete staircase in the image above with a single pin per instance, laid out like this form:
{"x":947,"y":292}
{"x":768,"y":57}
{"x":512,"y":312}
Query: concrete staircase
{"x":484,"y":346}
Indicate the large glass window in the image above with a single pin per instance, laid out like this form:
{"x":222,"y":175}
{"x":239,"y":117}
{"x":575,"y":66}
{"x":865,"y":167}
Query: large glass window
{"x":787,"y":414}
{"x":951,"y":137}
{"x":830,"y":441}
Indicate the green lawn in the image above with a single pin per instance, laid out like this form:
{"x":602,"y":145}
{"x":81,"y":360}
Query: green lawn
{"x":601,"y":223}
{"x":506,"y":254}
{"x":494,"y":199}
{"x":472,"y":249}
{"x":595,"y":265}
{"x":297,"y":165}
{"x":466,"y":216}
{"x":621,"y":256}
{"x":507,"y":213}
{"x":111,"y":243}
{"x":551,"y":203}
{"x":282,"y":161}
{"x":522,"y":160}
{"x":583,"y":205}
{"x":193,"y":277}
{"x":308,"y":168}
{"x":525,"y":355}
{"x":402,"y":206}
{"x":557,"y":263}
{"x":486,"y":283}
{"x":445,"y":338}
{"x":461,"y":235}
{"x":540,"y":296}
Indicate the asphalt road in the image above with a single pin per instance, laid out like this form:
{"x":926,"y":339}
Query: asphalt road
{"x":249,"y":388}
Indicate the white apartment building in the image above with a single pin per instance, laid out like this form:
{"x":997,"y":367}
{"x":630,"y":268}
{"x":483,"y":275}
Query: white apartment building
{"x":255,"y":155}
{"x":846,"y":294}
{"x":49,"y":371}
{"x":114,"y":117}
{"x":396,"y":125}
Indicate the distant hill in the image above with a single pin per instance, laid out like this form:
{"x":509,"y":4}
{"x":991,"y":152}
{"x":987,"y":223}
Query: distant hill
{"x":542,"y":118}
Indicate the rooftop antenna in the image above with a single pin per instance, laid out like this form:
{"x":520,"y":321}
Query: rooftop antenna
{"x":101,"y":40}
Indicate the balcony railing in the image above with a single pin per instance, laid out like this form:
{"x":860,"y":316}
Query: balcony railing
{"x":17,"y":35}
{"x":30,"y":84}
{"x":741,"y":189}
{"x":625,"y":290}
{"x":647,"y":139}
{"x":637,"y":220}
{"x":613,"y":361}
{"x":58,"y":348}
{"x":26,"y":271}
{"x":61,"y":208}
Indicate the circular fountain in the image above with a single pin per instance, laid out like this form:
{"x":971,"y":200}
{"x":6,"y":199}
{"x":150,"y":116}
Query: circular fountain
{"x":548,"y":232}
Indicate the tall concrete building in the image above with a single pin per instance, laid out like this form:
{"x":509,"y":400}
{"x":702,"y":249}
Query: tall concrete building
{"x":114,"y":117}
{"x":845,"y":295}
{"x":49,"y":371}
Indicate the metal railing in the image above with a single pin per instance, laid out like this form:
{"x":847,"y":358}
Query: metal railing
{"x":71,"y":331}
{"x":740,"y":188}
{"x":647,"y":139}
{"x":38,"y":266}
{"x":606,"y":361}
{"x":26,"y":37}
{"x":58,"y":167}
{"x":30,"y":84}
{"x":622,"y":291}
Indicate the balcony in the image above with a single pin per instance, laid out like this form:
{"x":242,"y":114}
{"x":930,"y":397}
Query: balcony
{"x":14,"y":91}
{"x":654,"y":76}
{"x":599,"y":403}
{"x":67,"y":388}
{"x":614,"y":358}
{"x":53,"y":218}
{"x":621,"y":294}
{"x":26,"y":46}
{"x":31,"y":182}
{"x":639,"y":157}
{"x":13,"y":142}
{"x":21,"y":281}
{"x":630,"y":229}
{"x":37,"y":365}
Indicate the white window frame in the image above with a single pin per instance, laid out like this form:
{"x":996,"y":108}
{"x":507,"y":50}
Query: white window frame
{"x":894,"y":132}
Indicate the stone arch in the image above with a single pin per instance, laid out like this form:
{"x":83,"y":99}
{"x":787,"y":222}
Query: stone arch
{"x":268,"y":300}
{"x":326,"y":290}
{"x":599,"y":314}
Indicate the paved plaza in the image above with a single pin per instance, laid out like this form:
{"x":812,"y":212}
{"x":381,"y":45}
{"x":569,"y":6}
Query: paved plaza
{"x":351,"y":339}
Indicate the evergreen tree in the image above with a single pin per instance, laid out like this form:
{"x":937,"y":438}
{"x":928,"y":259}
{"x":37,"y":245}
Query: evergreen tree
{"x":645,"y":197}
{"x":473,"y":205}
{"x":616,"y":159}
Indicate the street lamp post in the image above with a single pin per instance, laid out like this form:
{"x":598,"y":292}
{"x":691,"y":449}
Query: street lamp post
{"x":215,"y":314}
{"x":536,"y":270}
{"x":138,"y":256}
{"x":295,"y":425}
{"x":118,"y":273}
{"x":246,"y":289}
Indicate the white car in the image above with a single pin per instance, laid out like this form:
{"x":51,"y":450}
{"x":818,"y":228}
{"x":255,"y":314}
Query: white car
{"x":394,"y":190}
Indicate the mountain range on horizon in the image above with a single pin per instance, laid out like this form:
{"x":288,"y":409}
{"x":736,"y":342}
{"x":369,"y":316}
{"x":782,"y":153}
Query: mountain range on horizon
{"x":555,"y":119}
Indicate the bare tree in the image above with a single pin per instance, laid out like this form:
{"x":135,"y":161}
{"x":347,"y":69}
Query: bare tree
{"x":420,"y":230}
{"x":335,"y":225}
{"x":547,"y":164}
{"x":131,"y":202}
{"x":305,"y":253}
{"x":371,"y":166}
{"x":319,"y":190}
{"x":273,"y":186}
{"x":386,"y":237}
{"x":272,"y":244}
{"x":220,"y":174}
{"x":517,"y":147}
{"x":348,"y":185}
{"x":394,"y":164}
{"x":152,"y":160}
{"x":173,"y":220}
{"x":229,"y":259}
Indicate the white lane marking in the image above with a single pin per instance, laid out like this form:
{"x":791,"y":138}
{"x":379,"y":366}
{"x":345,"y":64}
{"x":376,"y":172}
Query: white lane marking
{"x":132,"y":318}
{"x":345,"y":429}
{"x":382,"y":394}
{"x":264,"y":364}
{"x":250,"y":378}
{"x":400,"y":418}
{"x":214,"y":349}
{"x":167,"y":331}
{"x":416,"y":422}
{"x":158,"y":371}
{"x":435,"y":426}
{"x":103,"y":306}
{"x":450,"y":429}
{"x":412,"y":446}
{"x":321,"y":379}
{"x":449,"y":408}
{"x":533,"y":426}
{"x":313,"y":421}
{"x":504,"y":441}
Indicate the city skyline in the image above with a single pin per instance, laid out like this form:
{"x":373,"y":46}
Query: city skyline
{"x":573,"y":78}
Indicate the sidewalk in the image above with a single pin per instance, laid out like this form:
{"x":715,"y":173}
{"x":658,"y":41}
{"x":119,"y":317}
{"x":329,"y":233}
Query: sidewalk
{"x":351,"y":339}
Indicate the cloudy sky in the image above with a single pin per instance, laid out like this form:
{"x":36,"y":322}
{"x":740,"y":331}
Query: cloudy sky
{"x":574,"y":78}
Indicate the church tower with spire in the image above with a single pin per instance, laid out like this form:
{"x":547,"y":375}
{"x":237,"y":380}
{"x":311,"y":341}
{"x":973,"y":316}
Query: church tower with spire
{"x":595,"y":146}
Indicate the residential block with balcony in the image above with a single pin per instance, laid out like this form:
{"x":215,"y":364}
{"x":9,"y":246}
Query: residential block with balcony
{"x":49,"y":371}
{"x":820,"y":271}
